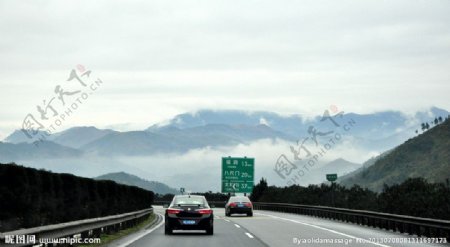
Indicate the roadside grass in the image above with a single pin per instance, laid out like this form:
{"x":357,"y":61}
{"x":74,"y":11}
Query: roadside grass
{"x":108,"y":238}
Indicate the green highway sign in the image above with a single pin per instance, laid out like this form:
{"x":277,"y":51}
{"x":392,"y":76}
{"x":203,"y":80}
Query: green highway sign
{"x":237,"y":174}
{"x":332,"y":177}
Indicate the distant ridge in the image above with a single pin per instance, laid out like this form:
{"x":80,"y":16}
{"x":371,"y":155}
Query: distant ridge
{"x":128,"y":179}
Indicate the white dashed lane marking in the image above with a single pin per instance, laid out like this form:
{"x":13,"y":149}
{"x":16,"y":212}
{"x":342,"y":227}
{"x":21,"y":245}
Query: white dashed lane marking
{"x":325,"y":229}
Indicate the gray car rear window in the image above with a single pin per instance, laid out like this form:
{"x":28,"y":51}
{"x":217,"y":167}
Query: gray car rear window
{"x":239,"y":199}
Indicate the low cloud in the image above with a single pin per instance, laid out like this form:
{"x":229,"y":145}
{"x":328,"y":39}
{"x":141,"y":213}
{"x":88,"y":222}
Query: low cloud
{"x":200,"y":169}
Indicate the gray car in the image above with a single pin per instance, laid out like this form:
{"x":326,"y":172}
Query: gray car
{"x":189,"y":212}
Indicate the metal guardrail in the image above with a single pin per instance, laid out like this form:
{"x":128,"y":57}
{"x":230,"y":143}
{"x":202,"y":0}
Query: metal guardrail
{"x":87,"y":228}
{"x":398,"y":223}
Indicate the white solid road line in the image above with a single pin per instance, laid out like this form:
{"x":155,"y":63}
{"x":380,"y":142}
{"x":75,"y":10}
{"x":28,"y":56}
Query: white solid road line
{"x":325,"y":229}
{"x":249,"y":235}
{"x":144,"y":233}
{"x":226,"y":220}
{"x":238,"y":226}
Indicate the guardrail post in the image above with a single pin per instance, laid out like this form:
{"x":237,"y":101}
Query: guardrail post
{"x":402,"y":227}
{"x":96,"y":232}
{"x":409,"y":229}
{"x":427,"y":231}
{"x":85,"y":234}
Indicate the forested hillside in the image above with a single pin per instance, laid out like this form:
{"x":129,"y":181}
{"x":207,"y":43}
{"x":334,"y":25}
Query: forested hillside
{"x":424,"y":156}
{"x":30,"y":197}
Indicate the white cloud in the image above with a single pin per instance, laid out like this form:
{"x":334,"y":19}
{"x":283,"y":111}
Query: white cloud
{"x":199,"y":169}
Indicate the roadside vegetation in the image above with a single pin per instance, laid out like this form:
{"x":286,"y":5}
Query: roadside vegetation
{"x":31,"y":197}
{"x":414,"y":197}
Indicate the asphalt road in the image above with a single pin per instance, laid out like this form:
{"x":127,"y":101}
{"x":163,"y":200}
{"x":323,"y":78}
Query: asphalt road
{"x":267,"y":228}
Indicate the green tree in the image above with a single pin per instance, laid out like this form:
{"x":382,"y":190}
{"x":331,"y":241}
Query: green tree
{"x":258,"y":190}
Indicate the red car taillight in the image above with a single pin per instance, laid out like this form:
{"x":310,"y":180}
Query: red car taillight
{"x":205,"y":211}
{"x":233,"y":204}
{"x":248,"y":204}
{"x":173,"y":211}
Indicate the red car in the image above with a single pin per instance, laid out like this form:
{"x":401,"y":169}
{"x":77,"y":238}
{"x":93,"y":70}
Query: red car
{"x":239,"y":205}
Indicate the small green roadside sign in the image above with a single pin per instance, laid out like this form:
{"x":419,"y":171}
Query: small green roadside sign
{"x":332,"y":177}
{"x":237,"y":174}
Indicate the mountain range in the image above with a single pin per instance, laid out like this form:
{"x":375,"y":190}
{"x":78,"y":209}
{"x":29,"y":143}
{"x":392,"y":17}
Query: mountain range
{"x":166,"y":139}
{"x":24,"y":151}
{"x":187,"y":148}
{"x":206,"y":128}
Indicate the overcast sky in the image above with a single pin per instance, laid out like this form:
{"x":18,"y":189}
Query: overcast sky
{"x":161,"y":58}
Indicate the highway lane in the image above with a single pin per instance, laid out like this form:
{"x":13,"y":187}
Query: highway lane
{"x":225,"y":234}
{"x":268,"y":228}
{"x":281,"y":229}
